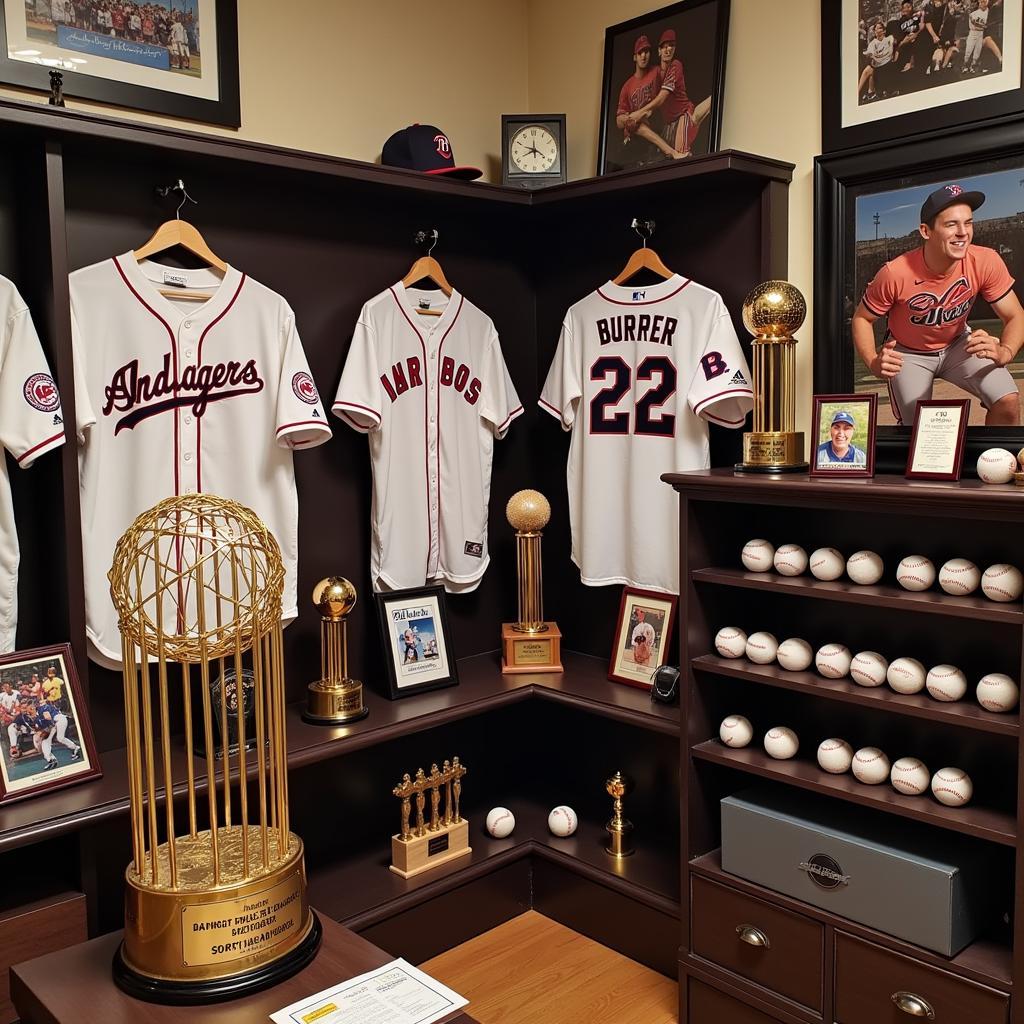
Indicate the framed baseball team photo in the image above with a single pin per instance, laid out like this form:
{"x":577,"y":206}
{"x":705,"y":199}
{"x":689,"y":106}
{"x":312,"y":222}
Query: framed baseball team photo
{"x":937,"y":441}
{"x":417,"y":641}
{"x":47,"y":742}
{"x":643,"y":636}
{"x":843,"y":432}
{"x":661,"y":92}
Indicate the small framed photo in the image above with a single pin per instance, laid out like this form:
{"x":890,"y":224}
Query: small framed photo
{"x":843,"y":435}
{"x":642,"y":637}
{"x":417,"y":641}
{"x":47,"y":742}
{"x":937,"y":443}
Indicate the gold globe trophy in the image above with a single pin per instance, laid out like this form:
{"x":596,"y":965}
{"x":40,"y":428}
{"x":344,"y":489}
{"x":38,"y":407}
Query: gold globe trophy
{"x":531,"y":644}
{"x":772,"y":313}
{"x":334,"y":699}
{"x":215,"y":895}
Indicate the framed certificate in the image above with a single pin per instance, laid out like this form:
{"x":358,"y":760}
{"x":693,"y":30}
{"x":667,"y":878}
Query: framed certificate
{"x":937,"y":443}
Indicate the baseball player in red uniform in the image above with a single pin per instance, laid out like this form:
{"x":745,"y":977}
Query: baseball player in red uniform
{"x":635,"y":99}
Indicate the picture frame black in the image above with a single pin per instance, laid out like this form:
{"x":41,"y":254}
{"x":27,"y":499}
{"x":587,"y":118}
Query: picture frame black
{"x":825,"y":407}
{"x":704,"y":69}
{"x":960,"y":409}
{"x":410,"y":663}
{"x":224,"y":110}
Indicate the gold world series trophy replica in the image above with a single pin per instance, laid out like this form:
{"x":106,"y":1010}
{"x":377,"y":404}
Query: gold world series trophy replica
{"x":334,"y":699}
{"x":215,"y":895}
{"x":420,"y":846}
{"x":772,"y":313}
{"x":619,"y":829}
{"x":531,"y":644}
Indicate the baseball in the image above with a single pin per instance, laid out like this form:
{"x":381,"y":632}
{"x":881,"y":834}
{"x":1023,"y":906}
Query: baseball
{"x":795,"y":654}
{"x":865,"y":567}
{"x":757,"y":555}
{"x":761,"y":648}
{"x":910,"y":775}
{"x":946,"y":682}
{"x":835,"y":756}
{"x":915,"y":572}
{"x":997,"y":692}
{"x":952,"y":787}
{"x":735,"y":731}
{"x":906,"y":675}
{"x":959,"y":576}
{"x":781,"y":743}
{"x":731,"y":642}
{"x":500,"y":822}
{"x":790,"y":560}
{"x":870,"y":766}
{"x":827,"y":564}
{"x":996,"y":466}
{"x":1002,"y":582}
{"x":562,"y":821}
{"x":868,"y":668}
{"x":833,"y":661}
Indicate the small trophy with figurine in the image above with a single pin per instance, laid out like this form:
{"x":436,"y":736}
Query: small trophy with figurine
{"x":619,"y":829}
{"x":335,"y":698}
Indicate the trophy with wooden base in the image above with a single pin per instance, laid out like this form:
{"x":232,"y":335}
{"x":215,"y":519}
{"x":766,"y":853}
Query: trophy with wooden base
{"x":531,"y":644}
{"x":421,"y":844}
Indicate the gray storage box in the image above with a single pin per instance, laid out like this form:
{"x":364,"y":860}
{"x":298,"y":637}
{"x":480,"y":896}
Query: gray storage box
{"x":924,"y":885}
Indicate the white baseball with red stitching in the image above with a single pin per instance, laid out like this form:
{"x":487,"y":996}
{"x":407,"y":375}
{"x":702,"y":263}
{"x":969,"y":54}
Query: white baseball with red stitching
{"x":952,"y":787}
{"x":790,"y":560}
{"x":997,"y":692}
{"x":996,"y":466}
{"x":865,"y":567}
{"x":761,"y":648}
{"x":500,"y":822}
{"x":946,"y":683}
{"x":959,"y":577}
{"x":735,"y":731}
{"x":915,"y":572}
{"x":835,"y":756}
{"x":868,"y":669}
{"x":1002,"y":582}
{"x":757,"y":555}
{"x":731,"y":642}
{"x":827,"y":564}
{"x":781,"y":743}
{"x":562,"y":821}
{"x":910,"y":776}
{"x":906,"y":675}
{"x":870,"y":766}
{"x":794,"y":654}
{"x":833,"y":661}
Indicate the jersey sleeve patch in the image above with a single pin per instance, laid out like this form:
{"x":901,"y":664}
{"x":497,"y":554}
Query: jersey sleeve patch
{"x":41,"y":392}
{"x":304,"y":388}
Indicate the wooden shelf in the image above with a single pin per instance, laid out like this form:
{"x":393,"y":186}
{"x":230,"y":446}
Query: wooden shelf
{"x":980,"y":822}
{"x":963,"y":713}
{"x":933,"y":601}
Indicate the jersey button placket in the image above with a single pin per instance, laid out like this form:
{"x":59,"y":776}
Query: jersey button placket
{"x":188,"y":427}
{"x":433,"y":441}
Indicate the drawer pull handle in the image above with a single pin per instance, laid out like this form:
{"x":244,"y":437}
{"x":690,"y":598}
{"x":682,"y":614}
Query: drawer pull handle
{"x":913,"y":1005}
{"x":752,"y":936}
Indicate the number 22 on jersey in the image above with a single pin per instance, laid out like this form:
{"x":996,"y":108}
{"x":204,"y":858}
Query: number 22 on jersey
{"x":646,"y":416}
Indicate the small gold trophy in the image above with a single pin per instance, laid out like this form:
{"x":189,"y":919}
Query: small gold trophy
{"x":531,"y":644}
{"x":619,"y":829}
{"x":419,"y":845}
{"x":772,"y":313}
{"x":334,"y":699}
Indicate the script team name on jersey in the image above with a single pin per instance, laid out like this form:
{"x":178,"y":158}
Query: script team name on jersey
{"x":930,"y":310}
{"x":402,"y":378}
{"x":656,"y":329}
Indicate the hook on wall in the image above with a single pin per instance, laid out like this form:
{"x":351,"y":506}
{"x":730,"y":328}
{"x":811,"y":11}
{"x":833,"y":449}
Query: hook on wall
{"x":644,"y":228}
{"x":426,"y":240}
{"x":179,"y":186}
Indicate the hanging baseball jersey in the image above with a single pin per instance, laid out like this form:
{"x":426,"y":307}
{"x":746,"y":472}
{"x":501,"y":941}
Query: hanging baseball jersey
{"x":31,"y":423}
{"x":180,"y":397}
{"x":433,"y":393}
{"x":636,"y":374}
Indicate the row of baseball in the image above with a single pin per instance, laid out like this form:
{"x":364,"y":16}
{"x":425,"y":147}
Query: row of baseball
{"x":995,"y":691}
{"x":957,"y":576}
{"x":908,"y":775}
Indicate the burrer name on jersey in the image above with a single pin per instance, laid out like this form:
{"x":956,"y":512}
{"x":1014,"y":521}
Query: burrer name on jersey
{"x":656,"y":329}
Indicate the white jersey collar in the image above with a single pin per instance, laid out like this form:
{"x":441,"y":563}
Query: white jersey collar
{"x":641,"y":295}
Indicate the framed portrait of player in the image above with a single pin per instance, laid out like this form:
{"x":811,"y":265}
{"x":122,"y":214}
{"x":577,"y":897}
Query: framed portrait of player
{"x":843,"y":433}
{"x":937,"y":441}
{"x":47,"y":742}
{"x":661,"y":91}
{"x":898,"y":69}
{"x":643,"y":636}
{"x":417,"y":641}
{"x":173,"y":57}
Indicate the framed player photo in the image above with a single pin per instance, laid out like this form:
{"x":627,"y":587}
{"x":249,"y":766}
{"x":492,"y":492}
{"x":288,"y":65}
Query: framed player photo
{"x":173,"y":57}
{"x":661,"y":92}
{"x":937,"y":443}
{"x":843,"y":435}
{"x":47,"y":741}
{"x":643,"y":636}
{"x":416,"y":638}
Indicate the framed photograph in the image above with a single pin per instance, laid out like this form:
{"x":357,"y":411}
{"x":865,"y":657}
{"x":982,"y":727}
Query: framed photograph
{"x":890,"y":70}
{"x":47,"y":742}
{"x":642,"y":637}
{"x":867,"y":209}
{"x":417,"y":641}
{"x":661,"y":93}
{"x":844,"y":435}
{"x":173,"y":57}
{"x":937,"y":443}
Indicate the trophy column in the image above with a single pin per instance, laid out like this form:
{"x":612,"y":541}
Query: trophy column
{"x":334,"y":699}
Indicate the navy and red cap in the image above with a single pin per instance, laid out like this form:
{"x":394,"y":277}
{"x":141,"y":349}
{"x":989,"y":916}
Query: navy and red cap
{"x":948,"y":195}
{"x":425,"y":148}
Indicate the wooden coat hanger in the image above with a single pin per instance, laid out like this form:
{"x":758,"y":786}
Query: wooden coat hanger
{"x":427,"y":268}
{"x":644,"y":258}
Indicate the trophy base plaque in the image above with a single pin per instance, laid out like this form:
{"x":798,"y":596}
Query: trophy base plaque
{"x":620,"y":841}
{"x":774,"y":451}
{"x":421,"y":853}
{"x":531,"y":652}
{"x":335,"y":705}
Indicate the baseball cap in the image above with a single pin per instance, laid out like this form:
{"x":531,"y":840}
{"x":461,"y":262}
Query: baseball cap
{"x":843,"y":417}
{"x":668,"y":36}
{"x":424,"y":147}
{"x":642,"y":43}
{"x":945,"y":196}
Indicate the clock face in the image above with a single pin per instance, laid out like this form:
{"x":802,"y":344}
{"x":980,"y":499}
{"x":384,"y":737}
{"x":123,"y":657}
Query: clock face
{"x":533,"y":150}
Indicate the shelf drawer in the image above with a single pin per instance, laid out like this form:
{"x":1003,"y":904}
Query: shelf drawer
{"x":868,"y":976}
{"x":706,"y":1005}
{"x":775,"y":948}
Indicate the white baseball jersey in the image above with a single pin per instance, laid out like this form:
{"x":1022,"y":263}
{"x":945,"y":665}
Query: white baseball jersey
{"x":179,"y":397}
{"x":31,"y":422}
{"x":433,"y":393}
{"x":636,"y":374}
{"x":643,"y":632}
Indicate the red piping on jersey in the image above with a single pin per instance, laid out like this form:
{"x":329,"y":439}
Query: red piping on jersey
{"x":440,"y":346}
{"x":646,"y":302}
{"x":299,"y":423}
{"x":511,"y":416}
{"x":550,"y":408}
{"x":355,"y":405}
{"x":725,"y":423}
{"x":36,"y":447}
{"x":719,"y":394}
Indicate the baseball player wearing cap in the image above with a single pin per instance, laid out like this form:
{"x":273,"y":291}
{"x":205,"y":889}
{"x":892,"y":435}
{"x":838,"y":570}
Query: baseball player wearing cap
{"x":926,"y":296}
{"x":642,"y":639}
{"x":838,"y":452}
{"x":635,"y":100}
